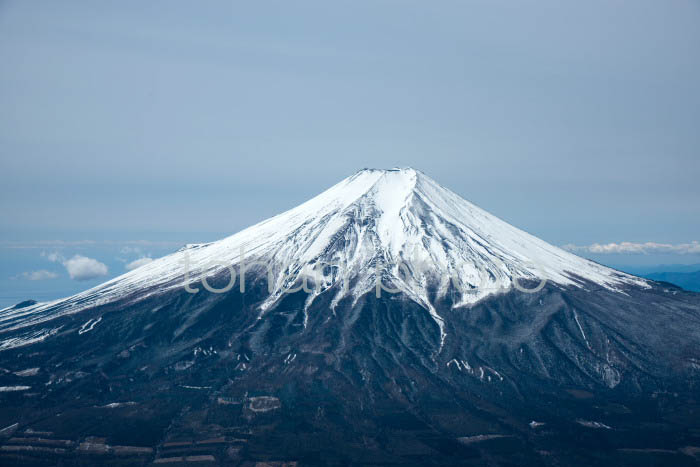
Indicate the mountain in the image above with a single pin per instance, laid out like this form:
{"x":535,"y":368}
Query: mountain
{"x":385,"y":321}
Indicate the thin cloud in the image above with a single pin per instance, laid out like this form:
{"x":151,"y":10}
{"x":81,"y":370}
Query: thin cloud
{"x":131,"y":250}
{"x":54,"y":256}
{"x":138,"y":263}
{"x":87,"y":243}
{"x":637,"y":248}
{"x":40,"y":275}
{"x":82,"y":268}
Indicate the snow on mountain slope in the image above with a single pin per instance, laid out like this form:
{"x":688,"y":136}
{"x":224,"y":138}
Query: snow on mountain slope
{"x":418,"y":235}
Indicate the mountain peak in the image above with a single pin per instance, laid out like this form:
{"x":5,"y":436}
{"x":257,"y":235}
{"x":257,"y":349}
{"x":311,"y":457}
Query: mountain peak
{"x":402,"y":170}
{"x":391,"y":178}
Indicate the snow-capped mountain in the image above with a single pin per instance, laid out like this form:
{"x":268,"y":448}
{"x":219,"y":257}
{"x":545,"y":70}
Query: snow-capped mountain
{"x":400,"y":223}
{"x":485,"y":345}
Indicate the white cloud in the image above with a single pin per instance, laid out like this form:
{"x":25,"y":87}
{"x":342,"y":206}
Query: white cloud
{"x":39,"y":275}
{"x":53,"y":256}
{"x":138,"y":263}
{"x":82,"y":268}
{"x":130,"y":250}
{"x":638,"y":248}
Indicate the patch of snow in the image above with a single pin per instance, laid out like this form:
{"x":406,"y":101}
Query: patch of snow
{"x":114,"y":405}
{"x":593,"y":424}
{"x":456,"y":362}
{"x":89,"y":325}
{"x":583,"y":334}
{"x":8,"y":430}
{"x":28,"y":372}
{"x":206,"y":352}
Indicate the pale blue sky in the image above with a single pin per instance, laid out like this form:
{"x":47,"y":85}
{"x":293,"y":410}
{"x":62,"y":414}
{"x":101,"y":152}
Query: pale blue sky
{"x":184,"y":121}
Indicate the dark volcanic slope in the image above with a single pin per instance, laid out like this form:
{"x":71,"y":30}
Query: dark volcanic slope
{"x":606,"y":375}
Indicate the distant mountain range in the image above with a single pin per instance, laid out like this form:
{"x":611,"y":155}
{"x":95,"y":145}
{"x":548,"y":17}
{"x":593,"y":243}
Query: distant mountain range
{"x":686,"y":276}
{"x":685,"y":280}
{"x":646,"y":270}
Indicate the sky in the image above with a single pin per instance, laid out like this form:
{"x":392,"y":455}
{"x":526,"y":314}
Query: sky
{"x":130,"y":128}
